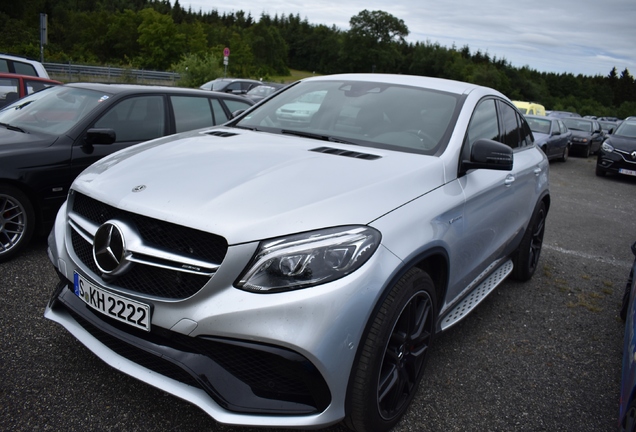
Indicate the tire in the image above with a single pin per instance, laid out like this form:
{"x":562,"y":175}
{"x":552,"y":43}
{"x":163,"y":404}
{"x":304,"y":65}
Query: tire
{"x":393,"y":355}
{"x":526,"y":258}
{"x":586,"y":151}
{"x":600,"y":171}
{"x":629,"y":421}
{"x":566,"y":153}
{"x":17,"y":221}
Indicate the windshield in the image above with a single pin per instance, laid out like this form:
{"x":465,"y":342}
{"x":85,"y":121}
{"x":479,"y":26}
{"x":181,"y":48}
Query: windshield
{"x":578,"y":124}
{"x":54,"y":110}
{"x":626,"y":129}
{"x":539,"y":125}
{"x":381,"y":115}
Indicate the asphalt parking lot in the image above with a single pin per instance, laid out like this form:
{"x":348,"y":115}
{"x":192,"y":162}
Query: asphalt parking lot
{"x":538,"y":356}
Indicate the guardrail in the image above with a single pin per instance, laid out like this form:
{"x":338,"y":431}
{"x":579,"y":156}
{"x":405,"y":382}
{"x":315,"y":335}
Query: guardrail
{"x":73,"y":73}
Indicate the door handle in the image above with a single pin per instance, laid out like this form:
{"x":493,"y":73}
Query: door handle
{"x":509,"y":180}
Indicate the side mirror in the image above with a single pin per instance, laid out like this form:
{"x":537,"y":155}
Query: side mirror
{"x":555,"y":133}
{"x":100,"y":136}
{"x":488,"y":154}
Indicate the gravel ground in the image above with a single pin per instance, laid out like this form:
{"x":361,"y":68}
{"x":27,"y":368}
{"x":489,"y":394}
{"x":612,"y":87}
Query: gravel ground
{"x":538,"y":356}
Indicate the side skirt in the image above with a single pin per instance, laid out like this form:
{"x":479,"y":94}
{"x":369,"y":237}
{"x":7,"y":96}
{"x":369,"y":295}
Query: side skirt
{"x":480,"y":292}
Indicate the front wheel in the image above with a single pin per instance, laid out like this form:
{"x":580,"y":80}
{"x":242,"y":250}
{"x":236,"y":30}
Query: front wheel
{"x":566,"y":153}
{"x":17,"y":221}
{"x":527,"y":256}
{"x":586,"y":151}
{"x":600,"y":171}
{"x":393,"y":355}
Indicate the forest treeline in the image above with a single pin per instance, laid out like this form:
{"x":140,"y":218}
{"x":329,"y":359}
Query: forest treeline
{"x":159,"y":35}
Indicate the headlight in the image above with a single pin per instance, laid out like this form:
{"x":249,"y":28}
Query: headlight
{"x":607,"y":147}
{"x":308,"y":259}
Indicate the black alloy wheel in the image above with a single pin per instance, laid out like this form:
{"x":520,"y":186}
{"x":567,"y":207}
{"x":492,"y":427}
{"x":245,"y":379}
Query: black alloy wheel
{"x":393,"y":355}
{"x":526,"y":259}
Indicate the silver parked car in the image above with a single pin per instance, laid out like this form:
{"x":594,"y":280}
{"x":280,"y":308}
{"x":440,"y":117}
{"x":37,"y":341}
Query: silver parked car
{"x":296,"y":275}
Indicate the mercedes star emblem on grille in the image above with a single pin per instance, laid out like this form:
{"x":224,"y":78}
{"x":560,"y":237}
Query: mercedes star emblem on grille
{"x":109,"y":248}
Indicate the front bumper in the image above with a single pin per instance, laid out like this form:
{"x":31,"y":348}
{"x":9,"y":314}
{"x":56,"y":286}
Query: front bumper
{"x":277,"y":360}
{"x":615,"y":161}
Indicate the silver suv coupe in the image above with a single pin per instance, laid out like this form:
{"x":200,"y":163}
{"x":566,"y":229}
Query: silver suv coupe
{"x":295,"y":275}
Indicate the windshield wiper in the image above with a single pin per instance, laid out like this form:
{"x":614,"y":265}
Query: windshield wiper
{"x":315,"y":136}
{"x":13,"y":128}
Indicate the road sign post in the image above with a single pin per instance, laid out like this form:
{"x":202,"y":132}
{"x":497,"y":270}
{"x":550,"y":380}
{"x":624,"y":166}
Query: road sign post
{"x":226,"y":60}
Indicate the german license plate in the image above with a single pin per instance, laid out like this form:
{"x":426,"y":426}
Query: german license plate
{"x":128,"y":311}
{"x":627,"y":172}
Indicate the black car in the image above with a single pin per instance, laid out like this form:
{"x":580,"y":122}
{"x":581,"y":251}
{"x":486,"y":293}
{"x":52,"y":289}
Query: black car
{"x":551,"y":135}
{"x":259,"y":93}
{"x":49,"y":137}
{"x":587,"y":135}
{"x":239,"y":86}
{"x":618,"y":152}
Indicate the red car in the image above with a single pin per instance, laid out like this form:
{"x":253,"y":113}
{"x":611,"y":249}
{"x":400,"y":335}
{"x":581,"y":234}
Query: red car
{"x":15,"y":86}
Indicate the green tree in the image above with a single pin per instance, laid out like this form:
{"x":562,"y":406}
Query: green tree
{"x":161,"y":45}
{"x":371,"y":45}
{"x":197,"y":69}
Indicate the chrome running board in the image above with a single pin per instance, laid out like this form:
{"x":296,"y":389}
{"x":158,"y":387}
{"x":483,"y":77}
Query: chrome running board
{"x":477,"y":295}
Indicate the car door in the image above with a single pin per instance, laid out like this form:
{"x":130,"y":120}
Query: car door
{"x":134,"y":119}
{"x":497,"y":209}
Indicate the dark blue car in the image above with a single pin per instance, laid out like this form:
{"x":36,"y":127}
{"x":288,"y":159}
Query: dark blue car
{"x":627,"y":414}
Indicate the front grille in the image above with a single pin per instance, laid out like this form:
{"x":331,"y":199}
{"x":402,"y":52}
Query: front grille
{"x":198,"y":244}
{"x":148,"y":279}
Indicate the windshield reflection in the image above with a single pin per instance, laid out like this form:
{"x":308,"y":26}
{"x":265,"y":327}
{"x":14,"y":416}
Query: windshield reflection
{"x":53,"y":111}
{"x":381,"y":115}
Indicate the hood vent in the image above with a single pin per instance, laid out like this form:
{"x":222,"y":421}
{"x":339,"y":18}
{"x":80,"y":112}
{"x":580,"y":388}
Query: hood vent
{"x":222,"y":134}
{"x":348,"y":153}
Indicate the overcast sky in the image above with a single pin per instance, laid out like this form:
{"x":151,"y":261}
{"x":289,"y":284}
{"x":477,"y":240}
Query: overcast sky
{"x":587,"y":37}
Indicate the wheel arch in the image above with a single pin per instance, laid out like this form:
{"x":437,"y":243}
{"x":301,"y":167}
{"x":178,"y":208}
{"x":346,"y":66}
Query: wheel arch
{"x":31,"y":195}
{"x":433,"y":261}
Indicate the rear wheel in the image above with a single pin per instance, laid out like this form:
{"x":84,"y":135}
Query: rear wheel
{"x":17,"y":221}
{"x":527,"y":256}
{"x":393,"y":355}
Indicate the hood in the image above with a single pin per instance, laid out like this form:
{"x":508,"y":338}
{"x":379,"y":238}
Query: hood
{"x":13,"y":140}
{"x":250,"y":186}
{"x":623,"y":143}
{"x":540,"y":137}
{"x":580,"y":133}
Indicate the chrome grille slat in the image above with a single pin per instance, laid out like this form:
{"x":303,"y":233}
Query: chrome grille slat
{"x":158,"y":269}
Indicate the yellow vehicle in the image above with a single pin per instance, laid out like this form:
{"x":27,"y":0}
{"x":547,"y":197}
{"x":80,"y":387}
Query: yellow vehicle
{"x":530,"y":108}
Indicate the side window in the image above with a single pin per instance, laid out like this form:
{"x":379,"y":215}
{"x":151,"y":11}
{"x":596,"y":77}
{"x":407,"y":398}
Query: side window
{"x":525,"y":132}
{"x":9,"y":91}
{"x":562,"y":127}
{"x":483,"y":125}
{"x":24,"y":68}
{"x":33,"y":86}
{"x":4,"y":65}
{"x":232,"y":87}
{"x":510,"y":126}
{"x":191,"y":112}
{"x":138,"y":118}
{"x":234,"y":105}
{"x":219,"y":113}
